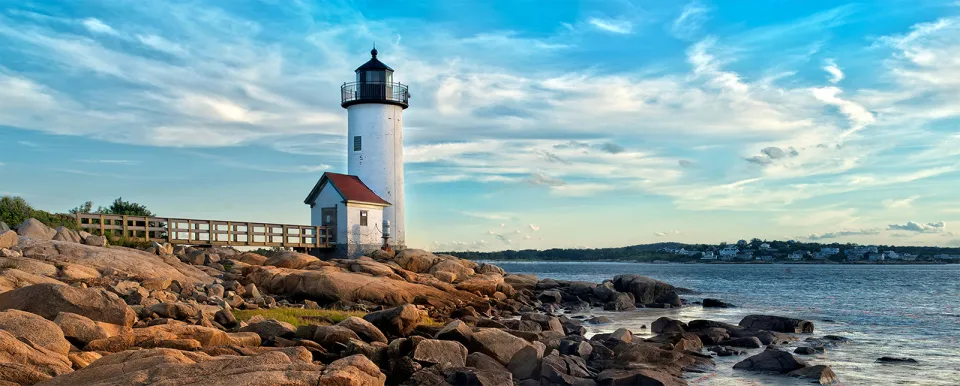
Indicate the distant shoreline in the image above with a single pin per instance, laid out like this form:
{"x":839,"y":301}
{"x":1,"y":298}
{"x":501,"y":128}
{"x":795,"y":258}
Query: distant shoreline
{"x":728,"y":262}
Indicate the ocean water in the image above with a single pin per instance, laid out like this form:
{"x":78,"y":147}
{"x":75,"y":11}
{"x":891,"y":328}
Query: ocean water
{"x":888,"y":310}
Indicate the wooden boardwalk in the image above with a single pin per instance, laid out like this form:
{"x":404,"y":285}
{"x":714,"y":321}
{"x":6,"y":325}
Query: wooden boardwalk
{"x":207,"y":232}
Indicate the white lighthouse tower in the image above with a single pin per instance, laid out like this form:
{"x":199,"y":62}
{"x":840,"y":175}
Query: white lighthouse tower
{"x":375,"y":105}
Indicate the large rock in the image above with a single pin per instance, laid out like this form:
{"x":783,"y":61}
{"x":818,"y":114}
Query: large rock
{"x":457,"y":331}
{"x":646,"y":377}
{"x":252,"y":258}
{"x":565,"y":370}
{"x":48,"y":300}
{"x":27,"y":326}
{"x":644,"y":289}
{"x":35,"y":229}
{"x":521,"y":281}
{"x":80,"y":329}
{"x":293,"y":260}
{"x":330,"y":336}
{"x":821,"y":374}
{"x":23,"y":362}
{"x":485,"y":284}
{"x":416,"y":260}
{"x":269,"y":329}
{"x":470,"y":376}
{"x":525,"y":363}
{"x":11,"y":279}
{"x":667,"y":325}
{"x":4,"y":227}
{"x":670,"y":298}
{"x":777,"y":323}
{"x":432,"y":352}
{"x":364,"y":329}
{"x":774,"y":361}
{"x":131,"y":262}
{"x":498,"y":344}
{"x":68,"y":235}
{"x":330,"y":284}
{"x":206,"y":336}
{"x":620,"y":301}
{"x":458,"y":270}
{"x":355,"y":370}
{"x":397,"y":321}
{"x":163,"y":366}
{"x":9,"y":239}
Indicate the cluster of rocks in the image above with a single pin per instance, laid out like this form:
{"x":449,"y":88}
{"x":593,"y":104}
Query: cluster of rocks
{"x":75,"y":313}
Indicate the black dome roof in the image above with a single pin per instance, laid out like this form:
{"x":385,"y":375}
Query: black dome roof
{"x":374,"y":63}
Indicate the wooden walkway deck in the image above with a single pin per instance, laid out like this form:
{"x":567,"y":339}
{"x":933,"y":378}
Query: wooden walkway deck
{"x":207,"y":232}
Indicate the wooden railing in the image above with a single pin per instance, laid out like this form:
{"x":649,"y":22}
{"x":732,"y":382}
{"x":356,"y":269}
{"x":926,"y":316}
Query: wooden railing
{"x":207,"y":232}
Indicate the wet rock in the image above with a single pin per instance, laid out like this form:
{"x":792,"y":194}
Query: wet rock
{"x":599,"y":320}
{"x":644,"y":289}
{"x":821,"y":374}
{"x":896,"y":360}
{"x":745,"y":342}
{"x":671,"y":298}
{"x":550,"y":297}
{"x":715,"y":303}
{"x":620,"y":301}
{"x":48,"y":300}
{"x":722,"y":351}
{"x":432,"y":351}
{"x":776,"y":361}
{"x":667,"y":325}
{"x":621,"y":334}
{"x":805,"y":351}
{"x":777,"y":323}
{"x":581,"y":349}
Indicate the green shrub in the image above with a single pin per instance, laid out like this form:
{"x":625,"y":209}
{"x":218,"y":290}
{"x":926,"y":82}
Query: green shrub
{"x":15,"y":210}
{"x":299,"y":316}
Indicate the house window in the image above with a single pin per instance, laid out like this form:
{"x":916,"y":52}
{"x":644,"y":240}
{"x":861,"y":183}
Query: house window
{"x":363,"y":218}
{"x":356,"y":143}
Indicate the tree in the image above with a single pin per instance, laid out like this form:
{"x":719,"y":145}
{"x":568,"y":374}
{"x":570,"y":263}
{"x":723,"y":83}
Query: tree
{"x":119,"y":206}
{"x":86,"y":207}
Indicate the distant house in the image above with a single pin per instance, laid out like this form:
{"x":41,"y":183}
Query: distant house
{"x":708,"y":255}
{"x":891,"y":255}
{"x":745,"y":255}
{"x":764,"y":246}
{"x":729,"y":253}
{"x":875,"y":256}
{"x":829,"y":251}
{"x":796,"y":255}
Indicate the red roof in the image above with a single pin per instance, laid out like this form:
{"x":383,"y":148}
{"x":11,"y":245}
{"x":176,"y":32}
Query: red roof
{"x":349,"y":187}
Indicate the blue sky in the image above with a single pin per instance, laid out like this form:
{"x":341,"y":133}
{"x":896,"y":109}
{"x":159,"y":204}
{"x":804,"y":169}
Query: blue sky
{"x":531,"y":124}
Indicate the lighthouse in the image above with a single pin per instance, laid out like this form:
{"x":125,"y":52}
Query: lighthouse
{"x":366,"y":204}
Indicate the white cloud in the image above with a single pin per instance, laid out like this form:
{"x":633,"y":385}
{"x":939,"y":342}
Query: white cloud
{"x":534,"y":227}
{"x":99,"y":27}
{"x":899,"y":204}
{"x":660,"y":234}
{"x":836,"y":75}
{"x":160,"y":44}
{"x":611,"y":25}
{"x":919,"y":227}
{"x":846,"y":233}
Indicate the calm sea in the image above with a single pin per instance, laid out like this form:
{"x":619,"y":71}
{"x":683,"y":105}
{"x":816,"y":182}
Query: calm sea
{"x":888,"y":310}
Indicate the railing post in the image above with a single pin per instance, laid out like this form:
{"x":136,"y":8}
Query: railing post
{"x":124,"y":226}
{"x":229,"y":232}
{"x":211,"y":232}
{"x":189,"y":231}
{"x":102,"y":227}
{"x":316,"y":237}
{"x":249,"y":234}
{"x":169,"y":232}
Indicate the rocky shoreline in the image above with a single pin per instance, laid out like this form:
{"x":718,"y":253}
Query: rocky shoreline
{"x":75,"y":311}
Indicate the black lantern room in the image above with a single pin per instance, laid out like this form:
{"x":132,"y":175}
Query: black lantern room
{"x":374,"y":84}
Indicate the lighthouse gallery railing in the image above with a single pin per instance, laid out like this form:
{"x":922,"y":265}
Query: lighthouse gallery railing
{"x":374,"y":92}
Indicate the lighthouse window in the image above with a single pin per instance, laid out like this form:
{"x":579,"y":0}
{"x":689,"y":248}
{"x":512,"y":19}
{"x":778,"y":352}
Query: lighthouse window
{"x":356,"y":143}
{"x":363,"y":218}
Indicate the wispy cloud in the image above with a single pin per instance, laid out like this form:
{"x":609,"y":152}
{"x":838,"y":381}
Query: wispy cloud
{"x":489,"y":216}
{"x":899,"y":204}
{"x":98,"y":27}
{"x":688,"y":24}
{"x":836,"y":75}
{"x":611,"y":25}
{"x":840,"y":234}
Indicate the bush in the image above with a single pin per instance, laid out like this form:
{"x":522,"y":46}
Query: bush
{"x":15,"y":210}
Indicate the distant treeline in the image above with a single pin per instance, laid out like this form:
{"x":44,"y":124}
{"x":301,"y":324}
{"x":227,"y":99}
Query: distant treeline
{"x":652,"y":252}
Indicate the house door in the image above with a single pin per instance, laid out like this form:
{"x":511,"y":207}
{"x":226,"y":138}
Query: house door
{"x":329,"y":220}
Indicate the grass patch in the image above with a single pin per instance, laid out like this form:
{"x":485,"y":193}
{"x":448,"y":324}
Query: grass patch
{"x":299,"y":316}
{"x":302,"y":316}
